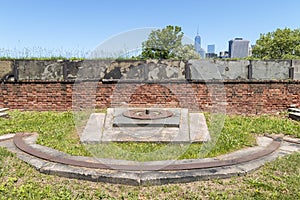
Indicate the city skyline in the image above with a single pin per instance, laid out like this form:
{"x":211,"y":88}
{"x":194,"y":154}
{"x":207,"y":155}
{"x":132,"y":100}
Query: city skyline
{"x":79,"y":25}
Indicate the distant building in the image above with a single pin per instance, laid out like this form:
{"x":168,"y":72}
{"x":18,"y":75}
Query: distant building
{"x":238,"y":48}
{"x":224,"y":54}
{"x":211,"y":55}
{"x":197,"y":43}
{"x":198,"y":48}
{"x":202,"y":53}
{"x":211,"y":48}
{"x":250,"y":49}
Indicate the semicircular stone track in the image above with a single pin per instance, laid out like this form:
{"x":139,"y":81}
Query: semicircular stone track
{"x":140,"y":166}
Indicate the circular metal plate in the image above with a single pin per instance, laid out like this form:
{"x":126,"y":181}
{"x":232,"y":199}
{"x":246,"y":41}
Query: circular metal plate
{"x":146,"y":114}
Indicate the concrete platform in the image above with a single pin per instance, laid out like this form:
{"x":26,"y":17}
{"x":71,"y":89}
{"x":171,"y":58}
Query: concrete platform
{"x":93,"y":129}
{"x":114,"y":127}
{"x":198,"y":128}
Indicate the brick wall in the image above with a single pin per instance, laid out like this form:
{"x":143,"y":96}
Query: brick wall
{"x":237,"y":97}
{"x":36,"y":96}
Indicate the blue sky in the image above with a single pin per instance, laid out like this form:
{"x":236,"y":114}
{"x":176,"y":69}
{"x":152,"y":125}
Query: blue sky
{"x":84,"y":24}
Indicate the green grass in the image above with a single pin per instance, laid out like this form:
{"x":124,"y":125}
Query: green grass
{"x":57,"y":130}
{"x":276,"y":180}
{"x":238,"y":132}
{"x":279,"y":179}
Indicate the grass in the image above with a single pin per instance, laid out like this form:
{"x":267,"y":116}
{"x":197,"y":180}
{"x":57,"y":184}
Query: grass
{"x":276,"y":180}
{"x":279,"y":179}
{"x":40,"y":58}
{"x":39,"y":53}
{"x":57,"y":130}
{"x":230,"y":139}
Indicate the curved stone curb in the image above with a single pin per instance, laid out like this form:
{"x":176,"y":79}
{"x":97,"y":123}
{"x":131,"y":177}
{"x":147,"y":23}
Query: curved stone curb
{"x":6,"y":137}
{"x":141,"y":166}
{"x":150,"y":177}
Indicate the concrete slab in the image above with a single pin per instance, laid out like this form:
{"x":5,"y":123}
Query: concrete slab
{"x":184,"y":126}
{"x":198,"y":128}
{"x":188,"y":127}
{"x":94,"y":128}
{"x":296,"y":65}
{"x":270,"y":70}
{"x":145,"y":132}
{"x":296,"y":110}
{"x":294,"y":115}
{"x":290,"y":147}
{"x":142,"y":134}
{"x":3,"y":109}
{"x":3,"y":115}
{"x":264,"y":141}
{"x":6,"y":137}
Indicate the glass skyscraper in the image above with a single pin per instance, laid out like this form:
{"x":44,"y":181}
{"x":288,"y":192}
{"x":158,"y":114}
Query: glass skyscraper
{"x":197,"y":43}
{"x":198,"y":48}
{"x":211,"y":48}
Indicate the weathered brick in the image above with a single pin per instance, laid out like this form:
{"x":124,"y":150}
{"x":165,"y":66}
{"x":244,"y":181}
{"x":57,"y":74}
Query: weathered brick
{"x":239,"y":97}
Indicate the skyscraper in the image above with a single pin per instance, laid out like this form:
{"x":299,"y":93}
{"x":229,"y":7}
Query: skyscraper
{"x":211,"y":48}
{"x":238,"y":48}
{"x":198,"y":48}
{"x":197,"y":43}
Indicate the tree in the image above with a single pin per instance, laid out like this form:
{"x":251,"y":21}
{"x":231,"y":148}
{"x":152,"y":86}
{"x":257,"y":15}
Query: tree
{"x":186,"y":52}
{"x":280,"y":44}
{"x":166,"y":43}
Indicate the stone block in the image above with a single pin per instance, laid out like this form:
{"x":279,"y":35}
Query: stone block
{"x":93,"y":129}
{"x":6,"y":69}
{"x":294,"y":115}
{"x":233,"y":70}
{"x":165,"y":70}
{"x":204,"y":70}
{"x":296,"y":65}
{"x":270,"y":70}
{"x":126,"y":70}
{"x":198,"y":128}
{"x":219,"y":70}
{"x":90,"y":70}
{"x":39,"y":70}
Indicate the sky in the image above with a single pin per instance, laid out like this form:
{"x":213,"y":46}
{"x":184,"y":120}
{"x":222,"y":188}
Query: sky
{"x":83,"y":25}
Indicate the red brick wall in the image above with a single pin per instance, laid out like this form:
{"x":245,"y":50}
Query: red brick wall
{"x":254,"y":97}
{"x":36,"y":96}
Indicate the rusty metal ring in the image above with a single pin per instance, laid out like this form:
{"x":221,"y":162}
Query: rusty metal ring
{"x":148,"y":114}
